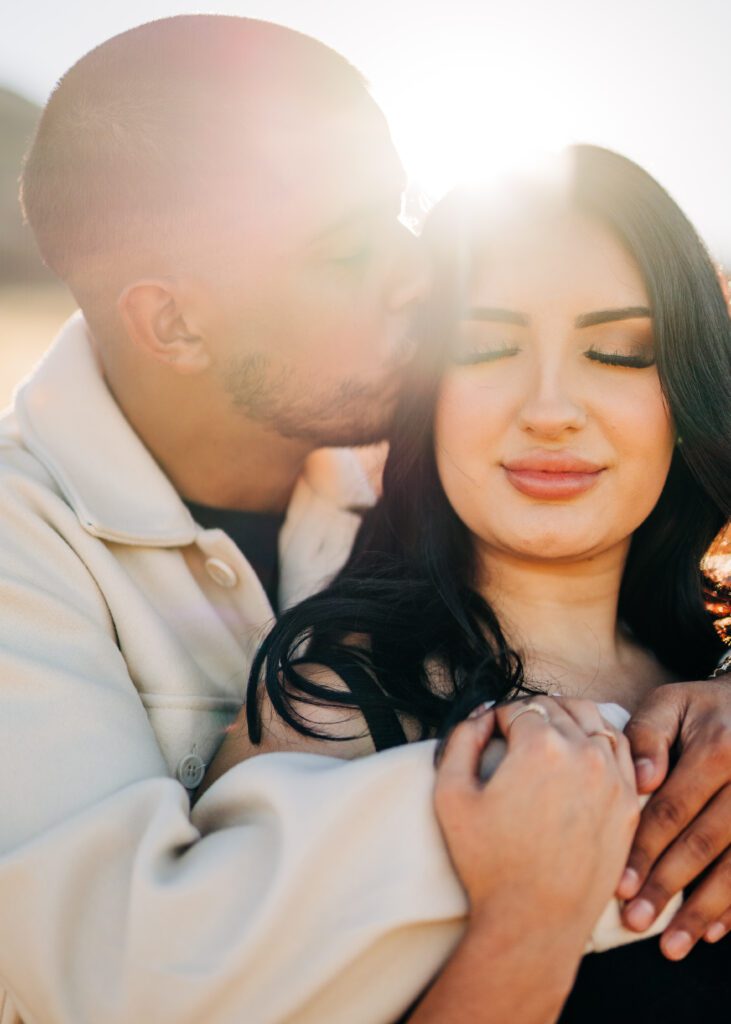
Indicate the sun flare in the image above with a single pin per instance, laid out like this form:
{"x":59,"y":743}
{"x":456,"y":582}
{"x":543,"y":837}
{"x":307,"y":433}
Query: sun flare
{"x":471,"y":119}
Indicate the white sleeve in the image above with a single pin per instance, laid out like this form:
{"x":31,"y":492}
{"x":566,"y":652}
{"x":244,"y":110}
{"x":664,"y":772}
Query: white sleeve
{"x":301,"y":889}
{"x":305,"y":889}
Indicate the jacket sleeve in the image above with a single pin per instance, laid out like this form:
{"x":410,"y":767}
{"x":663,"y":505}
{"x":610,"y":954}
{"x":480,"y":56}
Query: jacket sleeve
{"x":300,"y":889}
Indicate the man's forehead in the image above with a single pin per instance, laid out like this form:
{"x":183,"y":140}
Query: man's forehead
{"x":311,"y":177}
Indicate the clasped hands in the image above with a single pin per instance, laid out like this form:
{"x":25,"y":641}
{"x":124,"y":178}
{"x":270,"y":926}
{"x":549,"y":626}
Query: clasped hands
{"x":684,"y":834}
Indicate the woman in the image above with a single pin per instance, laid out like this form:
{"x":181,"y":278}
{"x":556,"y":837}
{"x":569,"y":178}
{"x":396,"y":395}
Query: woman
{"x":559,"y":463}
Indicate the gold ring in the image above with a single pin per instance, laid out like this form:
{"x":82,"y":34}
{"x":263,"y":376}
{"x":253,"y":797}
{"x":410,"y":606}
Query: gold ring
{"x":538,"y":709}
{"x":607,"y":734}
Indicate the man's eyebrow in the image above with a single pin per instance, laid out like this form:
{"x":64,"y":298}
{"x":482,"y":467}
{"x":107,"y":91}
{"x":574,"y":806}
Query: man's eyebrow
{"x":496,"y":315}
{"x":608,"y":316}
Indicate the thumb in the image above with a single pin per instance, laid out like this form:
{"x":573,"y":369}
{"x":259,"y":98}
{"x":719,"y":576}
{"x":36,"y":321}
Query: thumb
{"x":651,"y":732}
{"x":460,"y":758}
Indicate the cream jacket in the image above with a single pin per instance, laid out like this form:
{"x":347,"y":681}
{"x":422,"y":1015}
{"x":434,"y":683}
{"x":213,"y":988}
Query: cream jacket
{"x":301,"y":889}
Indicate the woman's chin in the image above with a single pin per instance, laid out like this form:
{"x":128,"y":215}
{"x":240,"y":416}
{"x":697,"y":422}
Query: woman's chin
{"x":557,"y":546}
{"x":563,"y":554}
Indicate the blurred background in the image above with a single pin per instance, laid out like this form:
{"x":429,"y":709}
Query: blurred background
{"x":469,"y":87}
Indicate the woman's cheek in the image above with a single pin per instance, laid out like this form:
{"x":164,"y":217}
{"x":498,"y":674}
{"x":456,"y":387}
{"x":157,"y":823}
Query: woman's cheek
{"x":640,"y":432}
{"x":468,"y":419}
{"x":641,"y":421}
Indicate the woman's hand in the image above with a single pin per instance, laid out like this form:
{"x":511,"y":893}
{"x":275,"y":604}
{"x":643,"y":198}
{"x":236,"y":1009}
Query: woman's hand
{"x":539,"y":850}
{"x":543,"y":844}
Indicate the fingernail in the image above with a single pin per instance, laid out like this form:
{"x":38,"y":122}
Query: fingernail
{"x":481,"y":709}
{"x":677,"y":944}
{"x":644,"y":770}
{"x":629,"y":884}
{"x":715,"y":931}
{"x":640,"y":914}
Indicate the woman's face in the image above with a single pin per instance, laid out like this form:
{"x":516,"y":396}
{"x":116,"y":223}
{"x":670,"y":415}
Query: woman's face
{"x":553,"y":440}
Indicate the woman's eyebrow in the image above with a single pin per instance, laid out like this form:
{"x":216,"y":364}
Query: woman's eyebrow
{"x":500,"y":316}
{"x":607,"y":316}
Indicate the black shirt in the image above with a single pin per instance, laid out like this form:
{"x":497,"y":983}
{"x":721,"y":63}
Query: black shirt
{"x":635,"y":984}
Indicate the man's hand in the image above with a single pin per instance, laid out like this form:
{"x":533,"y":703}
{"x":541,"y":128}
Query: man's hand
{"x":685,"y":828}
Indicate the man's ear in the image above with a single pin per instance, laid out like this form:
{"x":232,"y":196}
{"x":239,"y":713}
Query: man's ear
{"x":151,"y":314}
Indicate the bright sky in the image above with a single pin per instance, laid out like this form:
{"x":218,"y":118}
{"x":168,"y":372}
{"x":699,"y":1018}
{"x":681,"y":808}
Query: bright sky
{"x":470,"y":85}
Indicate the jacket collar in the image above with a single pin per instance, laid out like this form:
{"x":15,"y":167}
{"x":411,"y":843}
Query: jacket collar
{"x":70,"y":421}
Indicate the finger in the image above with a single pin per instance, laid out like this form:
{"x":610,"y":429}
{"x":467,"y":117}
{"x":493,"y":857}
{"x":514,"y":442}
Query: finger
{"x":623,"y":754}
{"x":652,"y":732}
{"x":585,"y":713}
{"x":708,"y":904}
{"x":460,"y":757}
{"x":668,"y":812}
{"x":588,"y":716}
{"x":518,"y":725}
{"x":705,"y":839}
{"x":720,"y":928}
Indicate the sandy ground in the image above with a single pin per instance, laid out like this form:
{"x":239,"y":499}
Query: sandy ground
{"x":29,"y":320}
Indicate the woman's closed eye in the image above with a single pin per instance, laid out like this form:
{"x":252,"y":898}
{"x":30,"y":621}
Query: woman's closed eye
{"x":479,"y":342}
{"x":486,"y":355}
{"x":639,"y":358}
{"x":628,"y":344}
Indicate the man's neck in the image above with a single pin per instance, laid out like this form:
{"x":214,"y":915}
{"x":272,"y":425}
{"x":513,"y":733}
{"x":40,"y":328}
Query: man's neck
{"x":211,"y":456}
{"x":250,"y":473}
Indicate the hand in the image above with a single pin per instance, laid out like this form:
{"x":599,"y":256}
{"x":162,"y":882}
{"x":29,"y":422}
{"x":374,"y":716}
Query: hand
{"x":543,"y":843}
{"x":685,"y":827}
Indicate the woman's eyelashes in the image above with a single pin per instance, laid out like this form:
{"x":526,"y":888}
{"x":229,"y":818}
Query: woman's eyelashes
{"x":638,"y":361}
{"x":485,"y":355}
{"x":481,"y":343}
{"x":630,"y":345}
{"x":635,"y":360}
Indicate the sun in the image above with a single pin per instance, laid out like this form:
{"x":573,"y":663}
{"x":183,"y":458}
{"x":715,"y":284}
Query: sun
{"x":466,"y":118}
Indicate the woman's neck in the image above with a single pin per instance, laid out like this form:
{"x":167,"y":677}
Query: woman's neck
{"x":562,"y":618}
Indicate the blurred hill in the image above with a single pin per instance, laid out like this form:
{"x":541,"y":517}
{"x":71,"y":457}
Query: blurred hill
{"x":19,"y":260}
{"x":33,"y":304}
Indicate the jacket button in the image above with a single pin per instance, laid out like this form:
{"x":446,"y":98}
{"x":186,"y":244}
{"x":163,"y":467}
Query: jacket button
{"x":190,"y":771}
{"x":221,"y":573}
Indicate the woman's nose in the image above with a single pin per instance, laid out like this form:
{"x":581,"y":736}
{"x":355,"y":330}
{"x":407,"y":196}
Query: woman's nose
{"x":551,"y":408}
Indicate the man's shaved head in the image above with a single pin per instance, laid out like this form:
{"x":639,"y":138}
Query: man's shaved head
{"x":151,"y":122}
{"x":222,"y":197}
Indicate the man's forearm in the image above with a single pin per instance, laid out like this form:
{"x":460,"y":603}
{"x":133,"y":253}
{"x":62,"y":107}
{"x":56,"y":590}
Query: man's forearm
{"x":278,"y":901}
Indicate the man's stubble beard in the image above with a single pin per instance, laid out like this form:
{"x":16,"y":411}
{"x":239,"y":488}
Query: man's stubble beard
{"x":351,"y":412}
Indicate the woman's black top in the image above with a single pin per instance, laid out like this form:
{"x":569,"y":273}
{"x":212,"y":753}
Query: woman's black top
{"x":635,"y":984}
{"x":632,"y":984}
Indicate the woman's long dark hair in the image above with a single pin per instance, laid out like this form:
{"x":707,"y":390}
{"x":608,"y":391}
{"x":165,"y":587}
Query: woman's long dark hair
{"x":405,"y":605}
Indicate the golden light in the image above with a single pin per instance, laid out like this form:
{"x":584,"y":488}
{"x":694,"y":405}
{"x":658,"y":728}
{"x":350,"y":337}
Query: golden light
{"x":466,"y":116}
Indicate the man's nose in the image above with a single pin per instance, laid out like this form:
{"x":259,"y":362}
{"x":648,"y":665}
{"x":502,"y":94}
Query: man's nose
{"x":551,"y":406}
{"x":409,"y":278}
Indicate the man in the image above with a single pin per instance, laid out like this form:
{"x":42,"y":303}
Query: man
{"x":221,"y":197}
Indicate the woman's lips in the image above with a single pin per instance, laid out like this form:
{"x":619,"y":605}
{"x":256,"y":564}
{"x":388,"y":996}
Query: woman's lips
{"x":552,"y":475}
